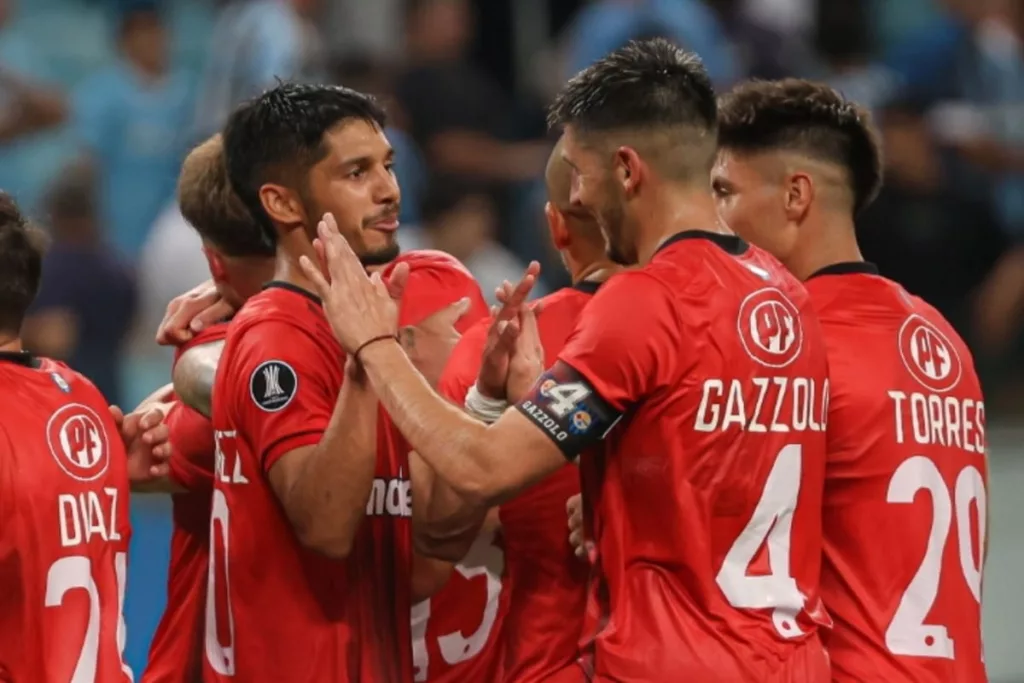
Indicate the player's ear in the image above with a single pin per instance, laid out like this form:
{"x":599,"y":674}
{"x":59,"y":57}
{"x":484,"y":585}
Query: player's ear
{"x":215,"y":261}
{"x":800,"y":192}
{"x":556,"y":226}
{"x":282,"y":205}
{"x":628,"y":169}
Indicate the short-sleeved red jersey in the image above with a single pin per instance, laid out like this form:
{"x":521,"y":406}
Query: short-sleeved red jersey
{"x":513,"y":609}
{"x":705,"y":372}
{"x":176,"y":651}
{"x":64,"y":527}
{"x":277,"y":611}
{"x":905,"y":485}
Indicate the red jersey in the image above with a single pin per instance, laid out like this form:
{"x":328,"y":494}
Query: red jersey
{"x":176,"y":652}
{"x":705,"y":499}
{"x":513,"y":610}
{"x":64,"y":527}
{"x":277,"y":611}
{"x":905,"y":486}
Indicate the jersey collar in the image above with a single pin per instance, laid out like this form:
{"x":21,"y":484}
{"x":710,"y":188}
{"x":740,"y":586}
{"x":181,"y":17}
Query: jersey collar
{"x":20,"y":358}
{"x":280,"y":284}
{"x":731,"y":244}
{"x":587,"y":286}
{"x":847,"y":268}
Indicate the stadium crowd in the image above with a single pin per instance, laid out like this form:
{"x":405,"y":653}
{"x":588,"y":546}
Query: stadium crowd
{"x":419,"y":353}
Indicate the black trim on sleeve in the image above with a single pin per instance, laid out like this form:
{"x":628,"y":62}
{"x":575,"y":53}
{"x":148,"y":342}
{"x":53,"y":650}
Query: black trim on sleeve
{"x":281,"y":284}
{"x":20,"y":358}
{"x":565,"y":406}
{"x":847,"y":268}
{"x":729,"y":243}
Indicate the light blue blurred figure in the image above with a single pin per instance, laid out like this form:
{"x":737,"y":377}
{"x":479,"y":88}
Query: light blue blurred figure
{"x":254,"y":43}
{"x":132,"y":117}
{"x":606,"y":25}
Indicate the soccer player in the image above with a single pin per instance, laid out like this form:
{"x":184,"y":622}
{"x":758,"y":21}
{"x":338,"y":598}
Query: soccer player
{"x":514,"y":609}
{"x":240,"y":261}
{"x":702,"y":371}
{"x":313,"y":499}
{"x":64,"y":525}
{"x":905,"y":487}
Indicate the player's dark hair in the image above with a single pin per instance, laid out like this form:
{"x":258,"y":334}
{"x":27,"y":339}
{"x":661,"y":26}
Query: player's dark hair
{"x":279,"y":136}
{"x":210,"y":205}
{"x":21,"y":264}
{"x":805,"y":117}
{"x":647,"y":86}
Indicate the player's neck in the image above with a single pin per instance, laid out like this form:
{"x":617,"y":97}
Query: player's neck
{"x":675,"y":210}
{"x":286,"y":264}
{"x":833,"y":241}
{"x":10,"y":344}
{"x":597,"y":271}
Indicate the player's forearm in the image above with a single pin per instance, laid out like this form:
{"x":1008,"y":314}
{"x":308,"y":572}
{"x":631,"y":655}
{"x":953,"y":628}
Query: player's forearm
{"x":194,"y":374}
{"x":452,"y":443}
{"x":445,"y":524}
{"x":328,"y":500}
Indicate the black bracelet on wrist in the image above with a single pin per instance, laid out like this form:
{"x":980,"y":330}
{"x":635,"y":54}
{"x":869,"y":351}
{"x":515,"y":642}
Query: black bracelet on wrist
{"x":372,"y":340}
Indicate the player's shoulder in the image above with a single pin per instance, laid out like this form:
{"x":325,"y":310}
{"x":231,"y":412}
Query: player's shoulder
{"x":427,"y":259}
{"x":280,"y":305}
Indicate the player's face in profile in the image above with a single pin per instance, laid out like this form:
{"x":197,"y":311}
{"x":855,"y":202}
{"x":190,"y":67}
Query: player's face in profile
{"x":593,"y":188}
{"x":356,"y":183}
{"x":750,"y":201}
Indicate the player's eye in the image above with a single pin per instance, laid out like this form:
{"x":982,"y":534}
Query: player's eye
{"x":357,"y":172}
{"x":390,"y":166}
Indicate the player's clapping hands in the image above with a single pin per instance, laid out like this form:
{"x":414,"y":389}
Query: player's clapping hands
{"x":360,"y":308}
{"x":503,"y":333}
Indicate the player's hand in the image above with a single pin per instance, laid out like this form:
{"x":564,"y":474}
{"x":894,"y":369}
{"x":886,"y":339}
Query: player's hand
{"x":147,"y":442}
{"x":527,"y":361}
{"x":359,"y":308}
{"x":430,"y":343}
{"x":502,"y":333}
{"x":192,"y":312}
{"x":577,"y":539}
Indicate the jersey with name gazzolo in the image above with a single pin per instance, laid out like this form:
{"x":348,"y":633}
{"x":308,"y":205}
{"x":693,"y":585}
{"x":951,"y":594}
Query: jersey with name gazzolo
{"x":704,"y":374}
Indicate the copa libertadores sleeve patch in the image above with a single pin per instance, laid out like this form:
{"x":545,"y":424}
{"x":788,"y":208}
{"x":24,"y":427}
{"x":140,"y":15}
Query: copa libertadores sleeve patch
{"x":568,"y":409}
{"x":272,"y":385}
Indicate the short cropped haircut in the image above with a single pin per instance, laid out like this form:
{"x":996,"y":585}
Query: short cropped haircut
{"x":647,"y":86}
{"x":279,"y":136}
{"x":807,"y":118}
{"x":212,"y":208}
{"x":21,"y":264}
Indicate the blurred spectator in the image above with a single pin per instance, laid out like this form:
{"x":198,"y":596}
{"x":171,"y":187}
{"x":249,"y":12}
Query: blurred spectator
{"x":606,"y":25}
{"x":457,"y":114}
{"x":255,"y":42}
{"x":132,"y":118}
{"x":86,"y":299}
{"x":462,"y":220}
{"x":938,"y":243}
{"x":28,"y":105}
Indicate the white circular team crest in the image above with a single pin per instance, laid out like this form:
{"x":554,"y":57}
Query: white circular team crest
{"x":272,"y":385}
{"x":78,"y":442}
{"x":769,"y":328}
{"x":928,"y":355}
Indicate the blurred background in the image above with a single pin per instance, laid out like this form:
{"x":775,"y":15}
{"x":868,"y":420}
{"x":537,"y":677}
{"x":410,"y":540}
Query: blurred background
{"x":101,"y":99}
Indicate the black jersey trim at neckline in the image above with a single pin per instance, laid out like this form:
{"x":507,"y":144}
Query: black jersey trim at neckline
{"x":20,"y":358}
{"x":588,"y":286}
{"x":281,"y":284}
{"x":732,"y":244}
{"x":847,"y":268}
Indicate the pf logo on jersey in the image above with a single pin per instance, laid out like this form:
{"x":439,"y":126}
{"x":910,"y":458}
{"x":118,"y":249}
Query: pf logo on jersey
{"x":928,"y":355}
{"x":272,"y":385}
{"x":78,"y":442}
{"x":769,"y":328}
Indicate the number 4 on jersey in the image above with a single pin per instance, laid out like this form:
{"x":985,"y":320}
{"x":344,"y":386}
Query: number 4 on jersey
{"x":771,"y":524}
